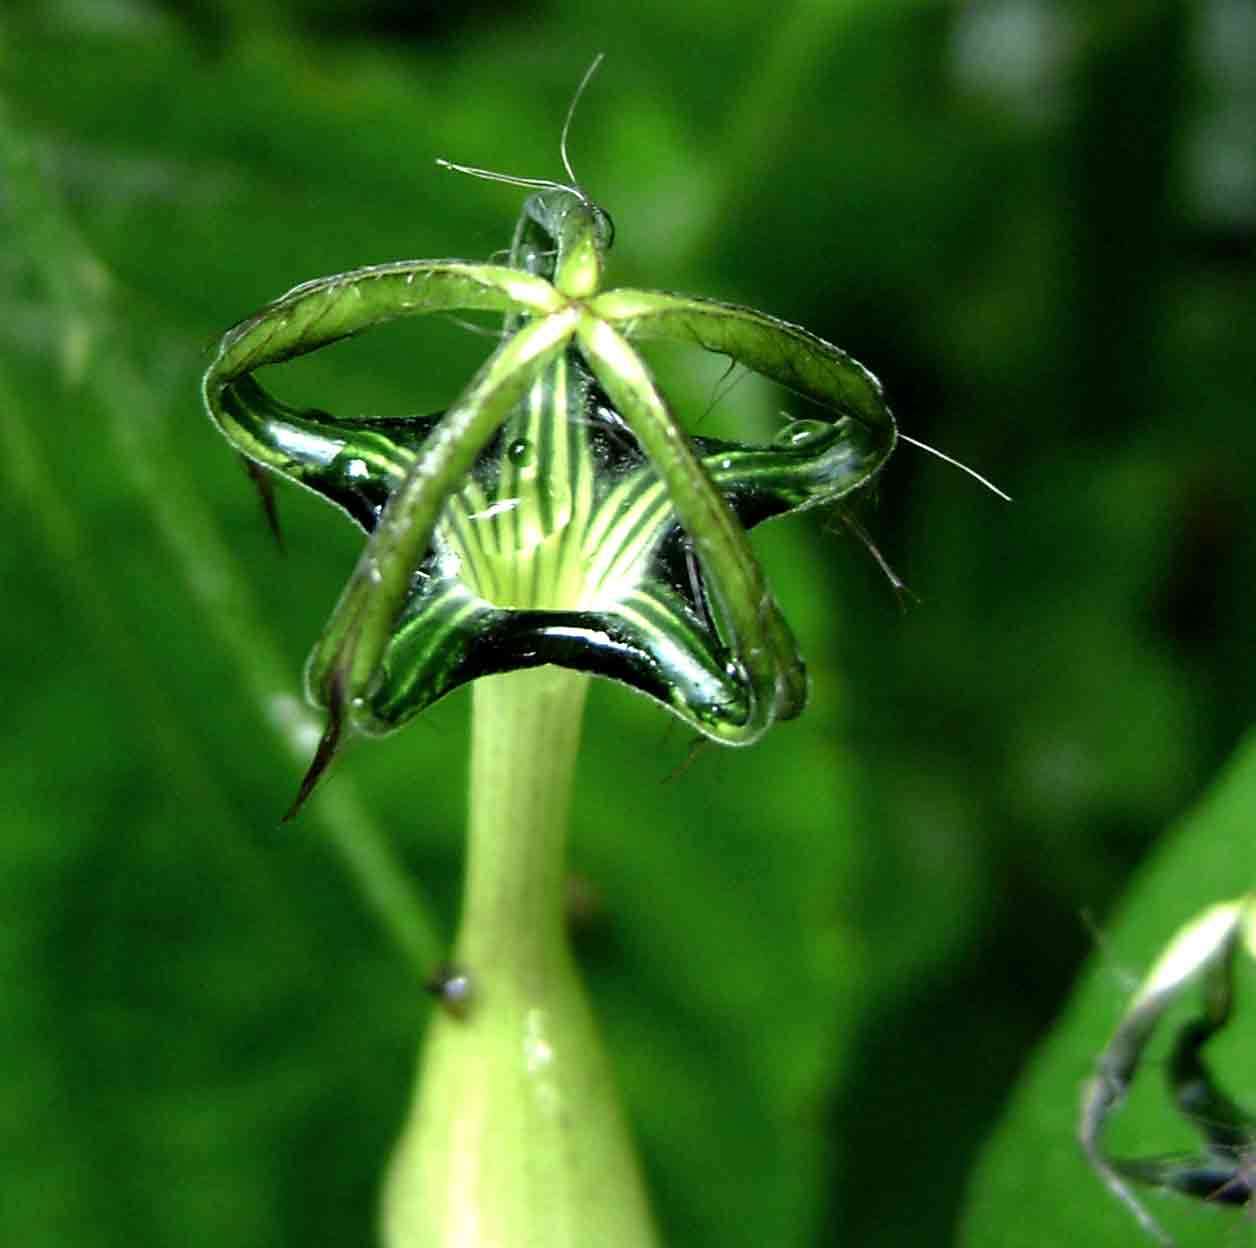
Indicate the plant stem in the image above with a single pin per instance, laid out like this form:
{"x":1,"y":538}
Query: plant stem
{"x":516,"y":1136}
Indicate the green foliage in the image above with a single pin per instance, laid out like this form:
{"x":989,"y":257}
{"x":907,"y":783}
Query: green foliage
{"x":819,"y":962}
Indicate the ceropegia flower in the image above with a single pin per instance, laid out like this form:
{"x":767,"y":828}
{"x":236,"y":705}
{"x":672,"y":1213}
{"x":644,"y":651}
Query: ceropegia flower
{"x":1198,"y":961}
{"x":557,"y":512}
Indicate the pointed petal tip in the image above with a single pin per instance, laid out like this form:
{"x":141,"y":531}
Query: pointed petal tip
{"x":324,"y":756}
{"x":266,"y":495}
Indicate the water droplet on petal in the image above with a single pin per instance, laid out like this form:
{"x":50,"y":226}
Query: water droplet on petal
{"x":801,"y":433}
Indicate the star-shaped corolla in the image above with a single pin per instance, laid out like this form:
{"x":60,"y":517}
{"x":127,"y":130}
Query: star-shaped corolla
{"x":556,"y":513}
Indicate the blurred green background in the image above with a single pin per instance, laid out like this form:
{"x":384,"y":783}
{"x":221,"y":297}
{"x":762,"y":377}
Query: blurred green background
{"x":821,"y":963}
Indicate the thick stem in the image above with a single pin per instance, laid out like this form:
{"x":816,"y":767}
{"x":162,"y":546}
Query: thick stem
{"x":516,"y":1139}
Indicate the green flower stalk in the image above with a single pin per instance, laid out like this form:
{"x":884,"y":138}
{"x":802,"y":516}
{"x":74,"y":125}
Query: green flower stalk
{"x":516,"y":1135}
{"x":555,"y":522}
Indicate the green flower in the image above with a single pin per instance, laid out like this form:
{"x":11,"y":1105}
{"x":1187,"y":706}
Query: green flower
{"x":556,"y":513}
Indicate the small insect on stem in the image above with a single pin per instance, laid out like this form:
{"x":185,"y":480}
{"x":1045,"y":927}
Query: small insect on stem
{"x":452,"y":988}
